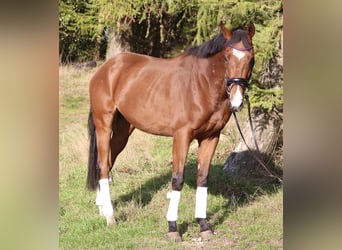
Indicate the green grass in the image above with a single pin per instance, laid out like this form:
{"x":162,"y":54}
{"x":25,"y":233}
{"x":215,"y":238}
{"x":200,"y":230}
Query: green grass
{"x":244,"y":213}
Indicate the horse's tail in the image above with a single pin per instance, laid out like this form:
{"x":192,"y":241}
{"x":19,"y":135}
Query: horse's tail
{"x":93,"y":171}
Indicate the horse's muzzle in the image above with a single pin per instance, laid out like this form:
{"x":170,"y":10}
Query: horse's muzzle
{"x":236,"y":108}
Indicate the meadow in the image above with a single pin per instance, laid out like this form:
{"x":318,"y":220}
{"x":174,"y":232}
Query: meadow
{"x":245,"y":213}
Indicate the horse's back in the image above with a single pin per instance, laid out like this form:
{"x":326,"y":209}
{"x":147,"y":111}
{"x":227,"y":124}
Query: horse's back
{"x":126,"y":68}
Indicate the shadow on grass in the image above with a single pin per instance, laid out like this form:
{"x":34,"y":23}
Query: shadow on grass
{"x":144,"y":194}
{"x":235,"y":190}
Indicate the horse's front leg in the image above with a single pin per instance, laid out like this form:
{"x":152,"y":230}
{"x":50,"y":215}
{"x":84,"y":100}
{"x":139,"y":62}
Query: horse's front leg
{"x":181,"y":141}
{"x":205,"y":154}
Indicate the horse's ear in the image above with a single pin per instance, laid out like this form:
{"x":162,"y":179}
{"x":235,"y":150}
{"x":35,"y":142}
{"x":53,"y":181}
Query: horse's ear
{"x":250,"y":29}
{"x":226,"y":32}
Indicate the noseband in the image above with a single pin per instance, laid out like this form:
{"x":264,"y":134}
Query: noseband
{"x":237,"y":80}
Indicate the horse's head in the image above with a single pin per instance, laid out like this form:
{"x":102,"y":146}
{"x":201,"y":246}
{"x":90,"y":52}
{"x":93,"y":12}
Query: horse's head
{"x":239,"y":61}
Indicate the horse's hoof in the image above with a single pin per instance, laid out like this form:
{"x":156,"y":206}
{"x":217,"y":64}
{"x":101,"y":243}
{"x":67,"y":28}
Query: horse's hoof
{"x":110,"y":220}
{"x":174,"y":236}
{"x":206,"y":235}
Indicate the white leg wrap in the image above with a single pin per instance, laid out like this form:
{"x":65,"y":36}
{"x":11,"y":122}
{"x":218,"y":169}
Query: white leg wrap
{"x":172,"y":212}
{"x":201,"y":202}
{"x":99,"y":200}
{"x":103,"y":198}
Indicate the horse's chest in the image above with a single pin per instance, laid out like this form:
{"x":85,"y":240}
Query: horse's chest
{"x":215,"y":122}
{"x":219,"y":119}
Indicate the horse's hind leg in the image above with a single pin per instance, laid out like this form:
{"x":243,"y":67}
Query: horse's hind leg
{"x":122,"y":129}
{"x":103,"y":124}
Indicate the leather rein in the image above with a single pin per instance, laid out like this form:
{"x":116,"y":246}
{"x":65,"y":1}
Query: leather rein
{"x":246,"y":82}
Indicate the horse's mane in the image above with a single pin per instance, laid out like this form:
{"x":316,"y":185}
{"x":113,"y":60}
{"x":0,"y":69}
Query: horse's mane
{"x":218,"y":43}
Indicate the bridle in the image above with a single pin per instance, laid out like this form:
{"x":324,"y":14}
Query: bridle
{"x":237,"y":80}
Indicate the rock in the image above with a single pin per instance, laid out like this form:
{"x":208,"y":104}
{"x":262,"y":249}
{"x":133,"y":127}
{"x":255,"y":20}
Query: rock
{"x":268,"y":131}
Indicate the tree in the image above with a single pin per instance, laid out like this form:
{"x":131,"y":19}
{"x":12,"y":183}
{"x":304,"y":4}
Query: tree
{"x":80,"y":36}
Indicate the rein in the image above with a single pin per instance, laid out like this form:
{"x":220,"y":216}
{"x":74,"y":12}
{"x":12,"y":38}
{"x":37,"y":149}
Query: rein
{"x":257,"y":156}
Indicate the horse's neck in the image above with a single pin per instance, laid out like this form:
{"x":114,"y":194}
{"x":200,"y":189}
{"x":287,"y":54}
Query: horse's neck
{"x":208,"y":73}
{"x":216,"y":69}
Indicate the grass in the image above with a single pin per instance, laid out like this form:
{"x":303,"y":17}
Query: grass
{"x":244,"y":213}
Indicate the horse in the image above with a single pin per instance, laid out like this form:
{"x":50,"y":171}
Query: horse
{"x":187,"y":97}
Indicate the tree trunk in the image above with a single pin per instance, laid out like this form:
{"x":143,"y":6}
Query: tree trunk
{"x":118,"y":41}
{"x":156,"y":44}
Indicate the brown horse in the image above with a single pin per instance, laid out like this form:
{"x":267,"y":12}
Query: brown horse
{"x":187,"y":97}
